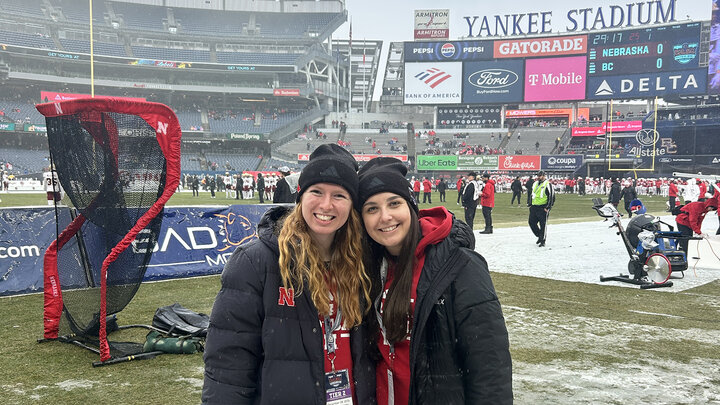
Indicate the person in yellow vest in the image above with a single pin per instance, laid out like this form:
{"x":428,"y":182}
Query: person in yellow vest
{"x":543,"y":199}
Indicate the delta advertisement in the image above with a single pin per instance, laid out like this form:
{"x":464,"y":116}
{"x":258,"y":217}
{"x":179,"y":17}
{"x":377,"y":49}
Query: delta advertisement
{"x":555,"y":79}
{"x":615,"y":126}
{"x":433,"y":83}
{"x":193,"y":241}
{"x":685,"y":82}
{"x":493,"y":82}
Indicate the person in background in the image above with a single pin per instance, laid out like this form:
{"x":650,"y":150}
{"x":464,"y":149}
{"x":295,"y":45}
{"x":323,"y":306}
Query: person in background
{"x":614,"y":196}
{"x":283,"y":193}
{"x":689,"y":220}
{"x":528,"y":188}
{"x":469,"y":199}
{"x":672,"y":194}
{"x":416,"y":188}
{"x":628,"y":194}
{"x":441,"y":187}
{"x":440,"y":328}
{"x":286,"y":326}
{"x":516,"y":188}
{"x":427,"y":190}
{"x":487,"y":201}
{"x":459,"y":185}
{"x":543,"y":198}
{"x":260,"y":183}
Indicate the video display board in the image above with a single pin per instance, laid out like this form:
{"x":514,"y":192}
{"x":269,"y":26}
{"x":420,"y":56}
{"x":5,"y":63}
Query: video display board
{"x":632,"y":63}
{"x":656,"y":49}
{"x":489,"y":114}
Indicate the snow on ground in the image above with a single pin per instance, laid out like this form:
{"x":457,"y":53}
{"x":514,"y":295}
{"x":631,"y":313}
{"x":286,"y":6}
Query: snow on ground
{"x":584,"y":251}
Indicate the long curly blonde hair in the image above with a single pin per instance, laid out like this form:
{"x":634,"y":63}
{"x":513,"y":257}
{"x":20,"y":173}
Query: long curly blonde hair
{"x":301,"y":266}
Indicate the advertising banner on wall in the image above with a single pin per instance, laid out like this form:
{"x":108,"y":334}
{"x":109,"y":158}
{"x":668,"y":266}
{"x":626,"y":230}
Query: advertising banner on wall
{"x":7,"y":126}
{"x":555,"y":79}
{"x":493,"y":82}
{"x":469,"y":115}
{"x":615,"y":126}
{"x":561,"y":162}
{"x":192,"y":241}
{"x":519,"y":162}
{"x":478,"y":163}
{"x":685,"y":82}
{"x":433,"y":83}
{"x":286,"y":92}
{"x":431,"y":24}
{"x":436,"y":162}
{"x":447,"y":51}
{"x":533,"y":47}
{"x":304,"y":157}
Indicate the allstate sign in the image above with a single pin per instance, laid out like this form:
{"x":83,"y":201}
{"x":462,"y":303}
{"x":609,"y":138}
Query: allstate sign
{"x":561,"y":162}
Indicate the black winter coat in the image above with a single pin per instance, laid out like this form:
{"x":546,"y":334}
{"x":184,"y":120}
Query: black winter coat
{"x":260,"y":352}
{"x":614,"y":196}
{"x":459,"y":348}
{"x":283,"y":194}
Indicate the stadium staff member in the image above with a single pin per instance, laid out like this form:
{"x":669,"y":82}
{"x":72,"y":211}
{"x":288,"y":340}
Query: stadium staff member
{"x":487,"y":200}
{"x":469,"y":198}
{"x":690,"y":219}
{"x":543,"y":199}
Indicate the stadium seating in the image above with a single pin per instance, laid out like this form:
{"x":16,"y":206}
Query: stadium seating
{"x":28,"y":40}
{"x":22,"y":7}
{"x":257,"y":58}
{"x":188,"y":119}
{"x":77,"y":11}
{"x":21,"y":112}
{"x":226,"y":124}
{"x":141,"y":17}
{"x":175,"y":55}
{"x":273,"y":164}
{"x":236,"y":162}
{"x":210,"y":22}
{"x":99,"y":48}
{"x":26,"y":161}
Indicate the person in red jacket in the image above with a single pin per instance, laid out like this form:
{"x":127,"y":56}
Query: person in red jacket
{"x":459,"y":187}
{"x":690,"y":218}
{"x":672,"y":195}
{"x":487,"y":201}
{"x":427,"y":189}
{"x":703,"y":190}
{"x":416,"y":188}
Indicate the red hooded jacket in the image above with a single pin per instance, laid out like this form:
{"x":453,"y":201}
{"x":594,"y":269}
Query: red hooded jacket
{"x":487,"y":198}
{"x":692,"y":214}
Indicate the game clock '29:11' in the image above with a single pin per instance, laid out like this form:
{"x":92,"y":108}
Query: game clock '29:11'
{"x":648,"y":50}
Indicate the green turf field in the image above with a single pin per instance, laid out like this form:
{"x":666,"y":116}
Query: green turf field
{"x":572,"y":343}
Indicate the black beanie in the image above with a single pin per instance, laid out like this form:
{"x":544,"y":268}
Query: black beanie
{"x":385,"y":174}
{"x":330,"y":163}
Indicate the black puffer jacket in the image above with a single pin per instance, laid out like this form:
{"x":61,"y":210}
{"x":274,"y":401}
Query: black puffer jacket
{"x":459,"y":349}
{"x":260,"y":352}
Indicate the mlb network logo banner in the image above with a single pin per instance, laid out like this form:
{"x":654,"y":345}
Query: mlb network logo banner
{"x":432,"y":24}
{"x":493,"y":82}
{"x":555,"y":79}
{"x":447,"y":51}
{"x":433,"y":83}
{"x":686,"y":82}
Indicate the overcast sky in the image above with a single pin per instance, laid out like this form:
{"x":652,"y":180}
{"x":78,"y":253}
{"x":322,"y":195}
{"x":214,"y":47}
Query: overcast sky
{"x":393,"y":20}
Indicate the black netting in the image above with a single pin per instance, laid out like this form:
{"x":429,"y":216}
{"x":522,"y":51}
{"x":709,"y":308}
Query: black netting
{"x":112,"y":170}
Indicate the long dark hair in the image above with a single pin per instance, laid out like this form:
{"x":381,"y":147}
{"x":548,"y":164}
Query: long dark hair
{"x":396,"y":312}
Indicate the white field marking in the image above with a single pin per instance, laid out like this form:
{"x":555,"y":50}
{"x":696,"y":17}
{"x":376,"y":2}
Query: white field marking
{"x":656,"y":314}
{"x":194,"y":382}
{"x":564,"y":301}
{"x":69,"y":385}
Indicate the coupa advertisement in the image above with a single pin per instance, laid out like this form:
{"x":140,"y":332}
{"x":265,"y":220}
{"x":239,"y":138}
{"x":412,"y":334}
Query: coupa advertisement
{"x":561,"y":162}
{"x":193,"y":241}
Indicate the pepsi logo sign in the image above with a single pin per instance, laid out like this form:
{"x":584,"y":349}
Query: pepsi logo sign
{"x":447,"y":50}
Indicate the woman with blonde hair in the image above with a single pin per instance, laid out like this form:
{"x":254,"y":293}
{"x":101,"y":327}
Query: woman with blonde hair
{"x":286,"y":325}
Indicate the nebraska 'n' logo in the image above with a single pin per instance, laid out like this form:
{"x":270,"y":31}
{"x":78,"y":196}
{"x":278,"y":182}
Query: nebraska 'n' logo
{"x":287,"y":297}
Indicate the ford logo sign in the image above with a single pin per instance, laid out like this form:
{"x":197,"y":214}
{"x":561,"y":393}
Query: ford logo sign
{"x":665,"y":160}
{"x":493,"y":78}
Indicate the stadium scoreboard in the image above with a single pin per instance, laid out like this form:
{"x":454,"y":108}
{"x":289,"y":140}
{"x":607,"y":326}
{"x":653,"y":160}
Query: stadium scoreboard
{"x":657,"y":49}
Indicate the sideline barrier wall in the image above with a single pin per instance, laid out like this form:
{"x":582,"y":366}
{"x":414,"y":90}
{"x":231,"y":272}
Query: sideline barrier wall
{"x":193,"y":241}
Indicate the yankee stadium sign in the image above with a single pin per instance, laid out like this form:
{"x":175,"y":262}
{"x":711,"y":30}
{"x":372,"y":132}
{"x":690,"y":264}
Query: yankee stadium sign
{"x":582,"y":19}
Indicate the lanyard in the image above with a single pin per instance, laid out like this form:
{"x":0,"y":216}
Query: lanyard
{"x":378,"y":302}
{"x":330,"y":328}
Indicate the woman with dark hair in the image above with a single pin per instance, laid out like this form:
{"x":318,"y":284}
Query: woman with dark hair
{"x":440,"y":329}
{"x":286,"y":325}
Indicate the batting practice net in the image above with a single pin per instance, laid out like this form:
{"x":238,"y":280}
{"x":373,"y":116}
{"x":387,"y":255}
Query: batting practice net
{"x":118,"y":162}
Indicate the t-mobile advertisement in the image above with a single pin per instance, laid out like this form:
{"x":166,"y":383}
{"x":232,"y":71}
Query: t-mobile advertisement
{"x":493,"y":82}
{"x":555,"y":79}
